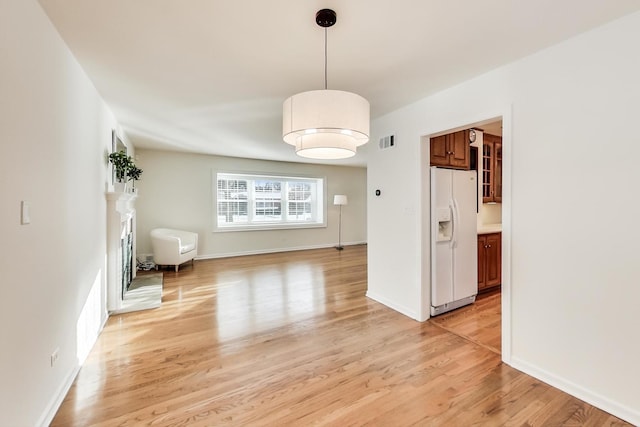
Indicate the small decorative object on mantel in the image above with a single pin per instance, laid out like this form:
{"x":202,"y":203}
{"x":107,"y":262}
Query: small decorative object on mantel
{"x":125,"y":170}
{"x":134,"y":174}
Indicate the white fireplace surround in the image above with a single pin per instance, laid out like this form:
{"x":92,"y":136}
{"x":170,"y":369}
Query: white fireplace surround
{"x":121,"y":220}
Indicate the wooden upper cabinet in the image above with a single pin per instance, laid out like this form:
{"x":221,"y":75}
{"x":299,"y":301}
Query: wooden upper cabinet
{"x":460,"y":152}
{"x":439,"y":151}
{"x":498,"y":175}
{"x":451,"y":150}
{"x":491,"y":169}
{"x":487,"y":171}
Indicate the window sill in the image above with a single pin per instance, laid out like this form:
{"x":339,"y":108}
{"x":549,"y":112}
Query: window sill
{"x":267,"y":227}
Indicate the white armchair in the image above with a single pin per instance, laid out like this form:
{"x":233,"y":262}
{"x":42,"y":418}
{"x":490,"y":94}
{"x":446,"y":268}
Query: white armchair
{"x":173,"y":247}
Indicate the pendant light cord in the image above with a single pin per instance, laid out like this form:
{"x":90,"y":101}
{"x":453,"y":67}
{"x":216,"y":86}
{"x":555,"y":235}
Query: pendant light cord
{"x":325,"y":58}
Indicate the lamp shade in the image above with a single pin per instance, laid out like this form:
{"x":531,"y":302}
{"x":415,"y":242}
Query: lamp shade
{"x":340,"y":199}
{"x":325,"y":124}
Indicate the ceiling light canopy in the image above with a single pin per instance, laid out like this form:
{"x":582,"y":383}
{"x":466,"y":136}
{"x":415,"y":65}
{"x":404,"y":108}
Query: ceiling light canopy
{"x":325,"y":124}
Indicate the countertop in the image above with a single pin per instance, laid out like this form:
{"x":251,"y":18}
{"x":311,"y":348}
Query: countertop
{"x":489,"y":228}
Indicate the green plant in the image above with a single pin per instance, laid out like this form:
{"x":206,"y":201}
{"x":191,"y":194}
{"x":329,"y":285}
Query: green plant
{"x":134,"y":173}
{"x":125,"y":169}
{"x":121,"y":164}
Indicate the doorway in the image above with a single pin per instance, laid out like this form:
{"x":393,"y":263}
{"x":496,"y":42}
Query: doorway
{"x":487,"y":321}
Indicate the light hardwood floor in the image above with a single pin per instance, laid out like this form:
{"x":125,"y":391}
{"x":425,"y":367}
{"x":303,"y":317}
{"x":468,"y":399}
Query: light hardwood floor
{"x":479,"y":322}
{"x":291,"y":339}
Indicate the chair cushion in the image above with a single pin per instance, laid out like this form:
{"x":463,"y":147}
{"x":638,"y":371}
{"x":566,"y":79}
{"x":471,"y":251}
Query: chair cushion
{"x":186,"y":247}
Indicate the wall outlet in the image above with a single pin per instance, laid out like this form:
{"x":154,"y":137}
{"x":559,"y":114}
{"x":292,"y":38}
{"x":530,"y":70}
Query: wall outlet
{"x":54,"y":356}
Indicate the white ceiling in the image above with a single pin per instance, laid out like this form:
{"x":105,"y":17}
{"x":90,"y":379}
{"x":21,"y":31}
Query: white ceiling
{"x":210,"y":76}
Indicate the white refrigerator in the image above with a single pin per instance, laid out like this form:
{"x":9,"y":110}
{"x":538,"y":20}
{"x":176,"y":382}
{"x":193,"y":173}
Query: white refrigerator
{"x":454,"y":239}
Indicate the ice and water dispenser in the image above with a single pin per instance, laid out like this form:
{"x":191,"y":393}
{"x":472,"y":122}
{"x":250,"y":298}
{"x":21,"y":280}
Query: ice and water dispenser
{"x":445,"y":224}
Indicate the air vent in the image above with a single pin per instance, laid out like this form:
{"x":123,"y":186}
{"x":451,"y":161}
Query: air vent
{"x":387,"y":142}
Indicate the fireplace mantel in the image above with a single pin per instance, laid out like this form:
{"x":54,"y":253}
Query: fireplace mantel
{"x":122,"y":202}
{"x":121,"y":219}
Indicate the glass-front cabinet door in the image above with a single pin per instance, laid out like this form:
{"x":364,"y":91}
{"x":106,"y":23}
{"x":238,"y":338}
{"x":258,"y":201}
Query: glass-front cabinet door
{"x":498,"y":173}
{"x":491,"y":169}
{"x":487,"y":172}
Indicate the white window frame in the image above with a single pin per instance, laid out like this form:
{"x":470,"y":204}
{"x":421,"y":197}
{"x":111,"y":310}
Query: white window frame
{"x":318,"y":206}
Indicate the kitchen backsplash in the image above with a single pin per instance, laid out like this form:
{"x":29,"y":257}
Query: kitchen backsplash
{"x":490,"y":213}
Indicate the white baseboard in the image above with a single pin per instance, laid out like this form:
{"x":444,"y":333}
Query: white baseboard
{"x":399,"y":308}
{"x":274,"y":250}
{"x":144,"y":257}
{"x":59,"y":396}
{"x":65,"y":386}
{"x":614,"y":408}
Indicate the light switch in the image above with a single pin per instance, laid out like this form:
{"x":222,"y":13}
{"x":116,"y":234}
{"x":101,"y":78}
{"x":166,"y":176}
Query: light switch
{"x":25,"y":214}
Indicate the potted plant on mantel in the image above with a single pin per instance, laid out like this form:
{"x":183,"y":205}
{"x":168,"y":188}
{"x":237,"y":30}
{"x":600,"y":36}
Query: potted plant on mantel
{"x":133,"y":174}
{"x":125,"y":170}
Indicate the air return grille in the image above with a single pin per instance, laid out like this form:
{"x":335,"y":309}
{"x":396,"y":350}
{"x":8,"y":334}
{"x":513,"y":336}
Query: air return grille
{"x":387,"y":142}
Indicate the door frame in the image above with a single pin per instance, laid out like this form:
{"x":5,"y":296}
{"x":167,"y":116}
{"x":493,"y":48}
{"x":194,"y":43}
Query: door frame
{"x":507,"y":148}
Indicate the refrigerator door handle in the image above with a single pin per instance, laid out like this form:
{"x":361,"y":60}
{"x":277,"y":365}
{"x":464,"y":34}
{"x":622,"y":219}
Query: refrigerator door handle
{"x":454,"y":224}
{"x":456,"y":219}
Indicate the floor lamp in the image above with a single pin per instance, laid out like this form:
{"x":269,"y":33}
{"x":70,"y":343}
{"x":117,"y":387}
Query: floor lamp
{"x":340,"y":199}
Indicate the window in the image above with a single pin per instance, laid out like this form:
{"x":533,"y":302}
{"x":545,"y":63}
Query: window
{"x":246,"y":202}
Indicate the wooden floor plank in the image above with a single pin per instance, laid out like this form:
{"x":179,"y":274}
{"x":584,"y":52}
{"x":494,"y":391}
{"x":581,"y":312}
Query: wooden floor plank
{"x":291,"y":339}
{"x":479,"y":322}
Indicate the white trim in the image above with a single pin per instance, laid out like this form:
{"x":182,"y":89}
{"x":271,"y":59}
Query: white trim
{"x":274,"y":250}
{"x":269,"y":226}
{"x":591,"y":397}
{"x":506,"y":113}
{"x":425,"y":229}
{"x":58,"y":397}
{"x":507,"y":167}
{"x":54,"y":404}
{"x":399,"y":308}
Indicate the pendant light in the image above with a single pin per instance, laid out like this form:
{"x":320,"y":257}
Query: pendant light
{"x":325,"y":124}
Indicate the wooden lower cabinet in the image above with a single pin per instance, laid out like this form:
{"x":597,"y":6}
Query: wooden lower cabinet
{"x":489,"y":261}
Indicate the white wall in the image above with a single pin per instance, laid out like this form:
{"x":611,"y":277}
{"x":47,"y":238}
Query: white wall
{"x":570,"y":217}
{"x":55,"y":134}
{"x":176,"y":192}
